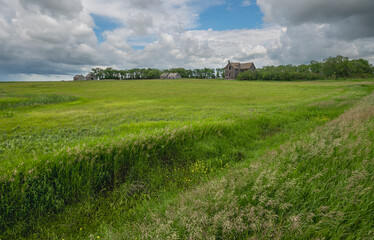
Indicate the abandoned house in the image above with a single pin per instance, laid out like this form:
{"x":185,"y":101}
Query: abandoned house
{"x":232,"y":70}
{"x":170,"y":76}
{"x":79,"y":78}
{"x":91,"y":76}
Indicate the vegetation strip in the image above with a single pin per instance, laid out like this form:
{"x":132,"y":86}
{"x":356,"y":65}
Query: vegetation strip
{"x":332,"y":67}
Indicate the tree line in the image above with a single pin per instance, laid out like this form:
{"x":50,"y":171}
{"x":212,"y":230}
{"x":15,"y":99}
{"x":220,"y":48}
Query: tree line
{"x":150,"y":73}
{"x":204,"y":73}
{"x":330,"y":68}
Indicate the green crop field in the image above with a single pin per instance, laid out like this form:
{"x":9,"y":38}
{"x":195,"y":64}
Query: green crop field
{"x":187,"y":159}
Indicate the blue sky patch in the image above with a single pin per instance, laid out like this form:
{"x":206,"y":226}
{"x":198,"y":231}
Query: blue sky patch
{"x":139,"y":42}
{"x":103,"y":24}
{"x":138,"y":47}
{"x":231,"y":15}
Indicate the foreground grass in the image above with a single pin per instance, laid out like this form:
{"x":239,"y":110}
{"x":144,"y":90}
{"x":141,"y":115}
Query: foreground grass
{"x":318,"y":187}
{"x":107,"y":175}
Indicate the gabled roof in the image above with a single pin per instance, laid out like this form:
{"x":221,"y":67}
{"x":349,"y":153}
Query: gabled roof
{"x":246,"y":65}
{"x":242,"y":65}
{"x":79,"y":77}
{"x":174,"y":75}
{"x":170,"y":75}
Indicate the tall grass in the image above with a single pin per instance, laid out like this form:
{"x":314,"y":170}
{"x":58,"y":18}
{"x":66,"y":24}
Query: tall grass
{"x":86,"y":170}
{"x":14,"y":101}
{"x":92,"y":169}
{"x":319,"y":186}
{"x":44,"y":183}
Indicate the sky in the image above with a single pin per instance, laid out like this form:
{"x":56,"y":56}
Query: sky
{"x":54,"y":39}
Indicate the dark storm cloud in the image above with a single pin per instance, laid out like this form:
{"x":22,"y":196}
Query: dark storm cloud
{"x":35,"y":67}
{"x":319,"y":11}
{"x":347,"y":19}
{"x":321,"y":28}
{"x":354,"y":27}
{"x":53,"y":7}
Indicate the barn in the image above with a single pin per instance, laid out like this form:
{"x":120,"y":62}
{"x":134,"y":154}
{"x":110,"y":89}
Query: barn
{"x":79,"y":78}
{"x":174,"y":76}
{"x":91,"y":76}
{"x":170,"y":76}
{"x":164,"y":76}
{"x":232,"y":70}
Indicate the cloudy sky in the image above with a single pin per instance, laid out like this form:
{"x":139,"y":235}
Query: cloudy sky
{"x":56,"y":39}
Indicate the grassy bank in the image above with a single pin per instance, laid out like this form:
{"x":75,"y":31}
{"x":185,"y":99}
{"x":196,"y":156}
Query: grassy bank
{"x":120,"y":140}
{"x":319,"y":186}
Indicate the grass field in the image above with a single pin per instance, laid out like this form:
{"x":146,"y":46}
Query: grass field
{"x":190,"y":159}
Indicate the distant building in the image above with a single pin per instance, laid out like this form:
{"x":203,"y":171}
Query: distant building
{"x":170,"y":76}
{"x":79,"y":78}
{"x":164,"y":76}
{"x":232,"y":70}
{"x":174,"y":76}
{"x":91,"y":76}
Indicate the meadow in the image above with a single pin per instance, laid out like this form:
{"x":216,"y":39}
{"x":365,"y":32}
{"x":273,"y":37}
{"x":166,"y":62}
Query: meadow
{"x":189,"y":159}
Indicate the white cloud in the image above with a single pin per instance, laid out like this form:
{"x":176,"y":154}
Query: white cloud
{"x":45,"y":37}
{"x":37,"y":77}
{"x":196,"y":49}
{"x":56,"y":37}
{"x":151,"y":16}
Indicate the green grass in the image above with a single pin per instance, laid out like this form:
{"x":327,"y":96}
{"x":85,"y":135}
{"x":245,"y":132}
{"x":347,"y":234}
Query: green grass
{"x":96,"y":155}
{"x":119,"y":108}
{"x":318,"y":186}
{"x":11,"y":102}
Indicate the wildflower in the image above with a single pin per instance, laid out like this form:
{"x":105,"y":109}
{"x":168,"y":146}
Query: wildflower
{"x":80,"y":229}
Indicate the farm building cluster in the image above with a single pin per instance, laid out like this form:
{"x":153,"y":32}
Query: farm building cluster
{"x":89,"y":76}
{"x":231,"y":71}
